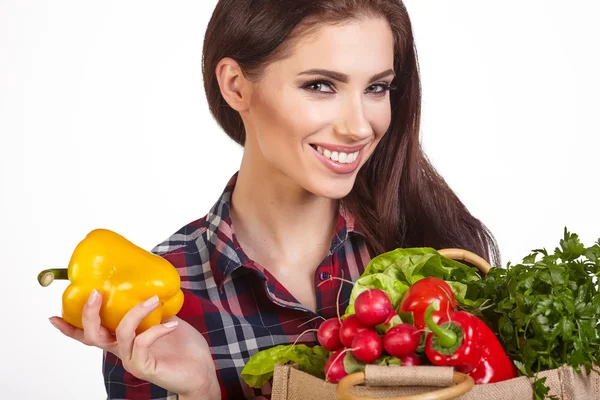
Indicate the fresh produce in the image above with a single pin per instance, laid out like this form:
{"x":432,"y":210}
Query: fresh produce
{"x":123,"y":273}
{"x":410,"y":360}
{"x":422,"y":293}
{"x":334,"y":368}
{"x":259,"y":369}
{"x":415,"y":307}
{"x":395,"y":271}
{"x":367,"y":346}
{"x":328,"y":334}
{"x":547,"y":308}
{"x":463,"y":341}
{"x":372,"y":307}
{"x":392,"y":316}
{"x":402,"y":340}
{"x":349,"y":328}
{"x":384,"y":282}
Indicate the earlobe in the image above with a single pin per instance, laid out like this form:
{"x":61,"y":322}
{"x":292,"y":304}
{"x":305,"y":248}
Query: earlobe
{"x":230,"y":78}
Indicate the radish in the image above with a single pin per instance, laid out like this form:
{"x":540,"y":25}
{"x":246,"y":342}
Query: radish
{"x":372,"y":307}
{"x":401,"y":340}
{"x":392,"y":314}
{"x":328,"y":334}
{"x":367,"y":346}
{"x":349,"y":328}
{"x":411,"y":360}
{"x":334,"y":367}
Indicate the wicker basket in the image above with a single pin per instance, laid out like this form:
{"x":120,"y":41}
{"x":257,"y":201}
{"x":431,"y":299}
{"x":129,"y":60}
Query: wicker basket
{"x":430,"y":382}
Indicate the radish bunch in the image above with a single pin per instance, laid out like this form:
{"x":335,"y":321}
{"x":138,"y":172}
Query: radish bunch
{"x":357,"y":334}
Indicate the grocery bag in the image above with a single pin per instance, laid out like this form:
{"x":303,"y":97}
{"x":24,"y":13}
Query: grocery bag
{"x":428,"y":382}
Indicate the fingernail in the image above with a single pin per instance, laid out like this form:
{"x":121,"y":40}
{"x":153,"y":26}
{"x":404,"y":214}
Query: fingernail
{"x":170,"y":324}
{"x":93,"y":297}
{"x":53,"y":323}
{"x":151,"y":301}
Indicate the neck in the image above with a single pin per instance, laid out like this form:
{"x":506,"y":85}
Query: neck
{"x":275,"y":219}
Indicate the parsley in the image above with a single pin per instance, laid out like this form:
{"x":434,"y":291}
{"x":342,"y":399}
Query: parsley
{"x":547,"y":309}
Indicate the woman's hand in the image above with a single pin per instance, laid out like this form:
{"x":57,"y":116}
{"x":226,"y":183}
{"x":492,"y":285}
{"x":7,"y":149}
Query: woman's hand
{"x":173,"y":355}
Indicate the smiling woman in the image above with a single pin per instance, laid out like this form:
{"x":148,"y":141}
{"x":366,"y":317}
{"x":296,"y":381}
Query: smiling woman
{"x":292,"y":109}
{"x":325,"y":99}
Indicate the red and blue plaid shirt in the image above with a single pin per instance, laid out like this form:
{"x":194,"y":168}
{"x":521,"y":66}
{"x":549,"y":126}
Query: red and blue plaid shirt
{"x":236,"y":304}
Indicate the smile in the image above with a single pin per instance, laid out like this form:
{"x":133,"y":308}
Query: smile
{"x":339,"y":159}
{"x":339,"y":156}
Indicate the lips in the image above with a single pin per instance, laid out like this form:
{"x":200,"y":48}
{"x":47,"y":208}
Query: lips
{"x":338,"y":160}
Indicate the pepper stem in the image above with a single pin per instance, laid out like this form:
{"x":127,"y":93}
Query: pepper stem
{"x":47,"y":276}
{"x":446,"y":337}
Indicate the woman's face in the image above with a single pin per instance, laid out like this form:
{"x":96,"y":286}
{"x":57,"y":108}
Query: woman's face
{"x":317,"y":128}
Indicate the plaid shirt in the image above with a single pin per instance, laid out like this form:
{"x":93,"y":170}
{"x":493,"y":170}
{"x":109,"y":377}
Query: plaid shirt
{"x":236,"y":304}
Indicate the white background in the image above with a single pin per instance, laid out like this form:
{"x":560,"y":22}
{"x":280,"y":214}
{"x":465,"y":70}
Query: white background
{"x":103,"y":123}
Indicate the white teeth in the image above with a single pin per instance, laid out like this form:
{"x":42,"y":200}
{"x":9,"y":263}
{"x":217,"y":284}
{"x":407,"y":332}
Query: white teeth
{"x":341,"y":157}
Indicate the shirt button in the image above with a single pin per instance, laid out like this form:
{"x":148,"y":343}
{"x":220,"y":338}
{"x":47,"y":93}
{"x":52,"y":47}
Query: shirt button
{"x":324,"y":276}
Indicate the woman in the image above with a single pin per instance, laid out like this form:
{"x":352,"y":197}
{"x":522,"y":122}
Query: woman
{"x":325,"y":98}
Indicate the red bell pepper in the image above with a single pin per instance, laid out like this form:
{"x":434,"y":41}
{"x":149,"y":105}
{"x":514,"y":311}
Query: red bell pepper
{"x":421,"y":293}
{"x":465,"y":342}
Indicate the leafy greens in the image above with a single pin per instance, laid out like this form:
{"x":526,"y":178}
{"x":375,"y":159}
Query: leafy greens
{"x":260,"y":367}
{"x":547,"y":309}
{"x":396,"y":270}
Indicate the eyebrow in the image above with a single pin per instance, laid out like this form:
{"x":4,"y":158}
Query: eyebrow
{"x":338,"y":76}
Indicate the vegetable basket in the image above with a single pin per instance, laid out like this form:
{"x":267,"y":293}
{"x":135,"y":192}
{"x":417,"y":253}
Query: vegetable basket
{"x":430,"y":382}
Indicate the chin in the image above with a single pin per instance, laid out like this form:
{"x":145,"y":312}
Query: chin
{"x":333,"y":189}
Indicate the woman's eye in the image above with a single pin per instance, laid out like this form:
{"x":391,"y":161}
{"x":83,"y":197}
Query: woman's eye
{"x":318,"y":86}
{"x":383,"y":87}
{"x":315,"y":86}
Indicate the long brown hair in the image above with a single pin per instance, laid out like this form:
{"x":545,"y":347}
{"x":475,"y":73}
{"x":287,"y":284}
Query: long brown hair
{"x":399,"y":199}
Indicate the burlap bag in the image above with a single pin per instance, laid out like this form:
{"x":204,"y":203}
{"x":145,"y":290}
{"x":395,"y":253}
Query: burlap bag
{"x":428,"y":382}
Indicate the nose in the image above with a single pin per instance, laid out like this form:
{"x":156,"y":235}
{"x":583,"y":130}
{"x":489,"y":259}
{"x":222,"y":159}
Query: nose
{"x":353,"y":122}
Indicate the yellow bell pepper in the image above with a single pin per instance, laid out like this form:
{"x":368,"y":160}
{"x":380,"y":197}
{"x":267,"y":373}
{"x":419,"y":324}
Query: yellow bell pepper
{"x":123,"y":273}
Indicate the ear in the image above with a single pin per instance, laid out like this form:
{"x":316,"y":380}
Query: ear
{"x":233,"y":84}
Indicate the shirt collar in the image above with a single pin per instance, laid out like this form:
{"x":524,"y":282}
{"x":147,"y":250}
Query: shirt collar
{"x":229,"y":255}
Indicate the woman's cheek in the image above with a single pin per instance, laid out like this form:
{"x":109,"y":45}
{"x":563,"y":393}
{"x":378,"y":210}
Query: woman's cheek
{"x":311,"y":116}
{"x":381,"y":119}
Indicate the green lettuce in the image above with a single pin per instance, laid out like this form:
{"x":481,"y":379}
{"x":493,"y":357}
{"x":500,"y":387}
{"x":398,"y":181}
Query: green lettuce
{"x":396,"y":270}
{"x":260,"y":367}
